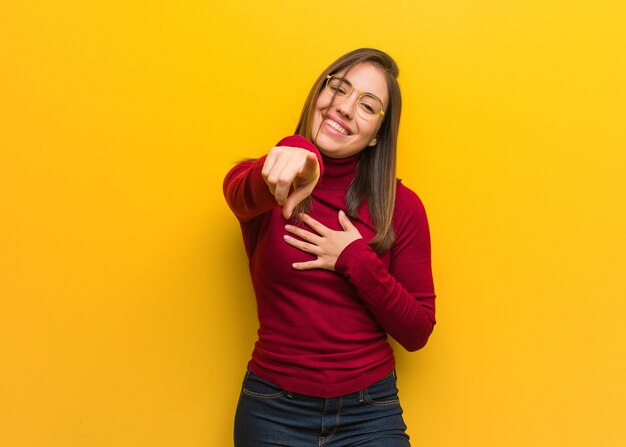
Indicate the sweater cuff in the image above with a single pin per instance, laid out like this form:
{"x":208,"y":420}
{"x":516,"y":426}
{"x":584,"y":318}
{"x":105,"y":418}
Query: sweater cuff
{"x":258,"y":183}
{"x":356,"y":255}
{"x":303,"y":143}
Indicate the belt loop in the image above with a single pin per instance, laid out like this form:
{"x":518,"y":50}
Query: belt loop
{"x":361,"y":397}
{"x":395,"y":376}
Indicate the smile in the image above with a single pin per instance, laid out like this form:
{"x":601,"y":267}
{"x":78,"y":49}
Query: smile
{"x":338,"y":127}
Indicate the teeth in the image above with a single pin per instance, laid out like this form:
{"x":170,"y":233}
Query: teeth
{"x":336,"y":126}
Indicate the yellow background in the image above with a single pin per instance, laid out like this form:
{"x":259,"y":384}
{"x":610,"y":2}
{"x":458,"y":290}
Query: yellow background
{"x":126,"y":312}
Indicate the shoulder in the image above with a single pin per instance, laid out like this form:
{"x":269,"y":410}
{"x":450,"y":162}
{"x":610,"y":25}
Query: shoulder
{"x":410,"y":222}
{"x":409,"y":212}
{"x":407,"y":201}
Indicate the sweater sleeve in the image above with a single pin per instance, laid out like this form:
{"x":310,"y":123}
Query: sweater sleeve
{"x":245,"y":189}
{"x":402,"y":298}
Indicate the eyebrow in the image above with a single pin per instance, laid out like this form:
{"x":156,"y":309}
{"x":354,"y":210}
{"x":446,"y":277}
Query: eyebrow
{"x":346,"y":80}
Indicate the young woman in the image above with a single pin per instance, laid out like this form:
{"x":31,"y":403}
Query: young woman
{"x":339,"y":255}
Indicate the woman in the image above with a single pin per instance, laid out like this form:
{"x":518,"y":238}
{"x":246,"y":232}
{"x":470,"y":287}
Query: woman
{"x":339,"y":256}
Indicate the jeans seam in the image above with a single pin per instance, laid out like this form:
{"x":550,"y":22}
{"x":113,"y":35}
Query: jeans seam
{"x":382,"y":403}
{"x":263,"y":396}
{"x":323,"y":440}
{"x":248,"y":392}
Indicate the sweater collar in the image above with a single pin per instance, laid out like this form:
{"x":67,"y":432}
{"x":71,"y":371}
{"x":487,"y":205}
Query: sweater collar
{"x":338,"y":172}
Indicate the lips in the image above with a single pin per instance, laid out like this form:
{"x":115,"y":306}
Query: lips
{"x":337,"y":125}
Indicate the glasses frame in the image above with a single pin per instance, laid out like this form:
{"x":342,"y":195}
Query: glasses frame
{"x":356,"y":104}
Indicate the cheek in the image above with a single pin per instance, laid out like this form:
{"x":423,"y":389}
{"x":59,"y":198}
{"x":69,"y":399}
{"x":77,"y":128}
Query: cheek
{"x":320,"y":107}
{"x":368,"y":129}
{"x":322,"y":103}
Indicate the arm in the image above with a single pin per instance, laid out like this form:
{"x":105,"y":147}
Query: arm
{"x":245,"y":190}
{"x":402,"y":299}
{"x":252,"y":188}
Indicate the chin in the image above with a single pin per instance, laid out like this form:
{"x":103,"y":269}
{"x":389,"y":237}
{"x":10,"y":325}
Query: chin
{"x":329,"y":150}
{"x":339,"y":153}
{"x":330,"y":154}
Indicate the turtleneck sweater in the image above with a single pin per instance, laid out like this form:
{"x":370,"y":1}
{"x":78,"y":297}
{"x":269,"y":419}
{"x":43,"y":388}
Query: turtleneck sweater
{"x":324,"y":333}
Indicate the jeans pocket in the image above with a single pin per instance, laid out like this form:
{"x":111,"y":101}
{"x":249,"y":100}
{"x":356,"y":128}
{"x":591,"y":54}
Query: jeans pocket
{"x":383,"y":392}
{"x":254,"y":386}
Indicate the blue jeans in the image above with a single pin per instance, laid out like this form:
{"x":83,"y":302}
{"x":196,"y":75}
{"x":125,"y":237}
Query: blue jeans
{"x":270,"y":416}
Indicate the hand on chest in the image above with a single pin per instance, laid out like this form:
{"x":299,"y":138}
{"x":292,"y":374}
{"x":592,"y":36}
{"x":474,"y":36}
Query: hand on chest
{"x":279,"y":256}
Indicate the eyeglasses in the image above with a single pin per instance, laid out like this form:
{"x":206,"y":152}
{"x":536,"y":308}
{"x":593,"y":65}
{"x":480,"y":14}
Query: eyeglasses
{"x":368,"y":106}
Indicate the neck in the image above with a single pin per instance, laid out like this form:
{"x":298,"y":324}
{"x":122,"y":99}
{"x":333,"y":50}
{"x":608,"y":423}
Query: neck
{"x":338,"y":172}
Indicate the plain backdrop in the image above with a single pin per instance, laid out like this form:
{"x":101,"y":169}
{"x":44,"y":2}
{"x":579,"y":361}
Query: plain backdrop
{"x":126,"y":312}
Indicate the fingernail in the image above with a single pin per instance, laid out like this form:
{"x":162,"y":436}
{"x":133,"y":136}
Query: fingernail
{"x":341,"y":213}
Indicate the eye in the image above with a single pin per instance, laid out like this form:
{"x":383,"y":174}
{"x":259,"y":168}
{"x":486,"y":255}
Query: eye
{"x":368,"y":108}
{"x":370,"y":105}
{"x":338,"y":89}
{"x":339,"y":86}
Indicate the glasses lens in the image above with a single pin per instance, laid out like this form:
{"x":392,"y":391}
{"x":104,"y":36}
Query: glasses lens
{"x":369,"y":106}
{"x":339,"y":87}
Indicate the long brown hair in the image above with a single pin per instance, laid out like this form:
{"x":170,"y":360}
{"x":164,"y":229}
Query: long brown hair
{"x":375,"y":180}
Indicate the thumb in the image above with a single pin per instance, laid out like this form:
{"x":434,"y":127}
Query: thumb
{"x":297,"y":196}
{"x":311,"y":165}
{"x":345,"y":222}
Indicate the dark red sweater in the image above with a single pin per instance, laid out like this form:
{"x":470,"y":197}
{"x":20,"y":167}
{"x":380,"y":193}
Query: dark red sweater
{"x":324,"y":333}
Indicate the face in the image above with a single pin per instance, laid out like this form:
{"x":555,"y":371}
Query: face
{"x":338,"y":130}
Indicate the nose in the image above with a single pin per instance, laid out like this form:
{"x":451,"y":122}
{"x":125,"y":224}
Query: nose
{"x":347,"y":106}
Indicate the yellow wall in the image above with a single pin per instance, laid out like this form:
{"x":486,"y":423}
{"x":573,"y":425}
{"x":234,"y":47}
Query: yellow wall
{"x":126,"y":313}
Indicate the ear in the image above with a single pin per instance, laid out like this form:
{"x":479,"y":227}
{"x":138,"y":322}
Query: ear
{"x":373,"y":142}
